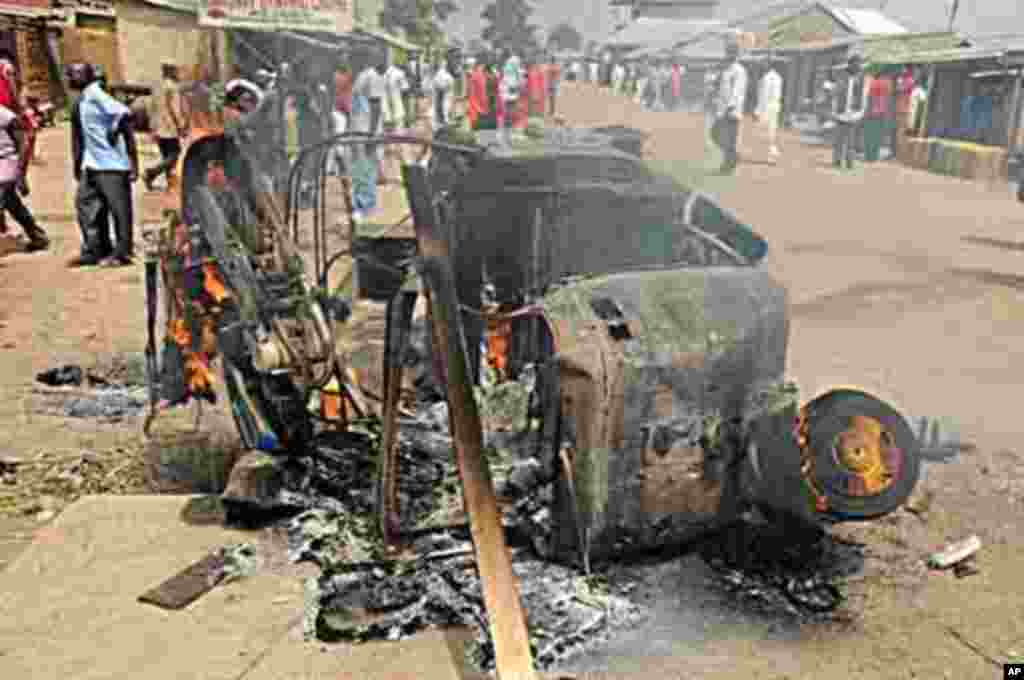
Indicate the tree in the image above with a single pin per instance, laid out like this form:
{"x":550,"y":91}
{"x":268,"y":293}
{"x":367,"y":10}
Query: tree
{"x":420,"y":20}
{"x":508,"y":26}
{"x":565,"y":37}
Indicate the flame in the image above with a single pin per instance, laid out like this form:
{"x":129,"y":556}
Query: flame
{"x":213,"y":284}
{"x":198,"y":374}
{"x":499,"y":333}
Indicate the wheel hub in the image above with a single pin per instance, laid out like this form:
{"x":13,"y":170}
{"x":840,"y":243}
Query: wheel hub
{"x":862,"y":450}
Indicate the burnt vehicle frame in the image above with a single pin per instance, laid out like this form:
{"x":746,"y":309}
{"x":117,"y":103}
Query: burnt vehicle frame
{"x":692,"y":429}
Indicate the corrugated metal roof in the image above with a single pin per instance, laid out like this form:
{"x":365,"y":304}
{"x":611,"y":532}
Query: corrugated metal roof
{"x":980,"y":48}
{"x":864,"y":21}
{"x":1002,"y":41}
{"x":652,"y":32}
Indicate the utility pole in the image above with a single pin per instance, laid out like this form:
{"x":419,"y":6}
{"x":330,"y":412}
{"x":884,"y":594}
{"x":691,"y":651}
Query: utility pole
{"x":952,"y":14}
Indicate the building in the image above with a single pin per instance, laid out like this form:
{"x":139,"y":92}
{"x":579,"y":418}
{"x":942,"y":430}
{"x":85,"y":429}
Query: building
{"x":973,"y":122}
{"x":25,"y":33}
{"x":154,"y":31}
{"x":660,"y":24}
{"x":89,"y":33}
{"x":812,"y":39}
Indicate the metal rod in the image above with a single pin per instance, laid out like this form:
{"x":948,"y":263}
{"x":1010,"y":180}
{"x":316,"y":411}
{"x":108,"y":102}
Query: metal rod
{"x":506,"y":618}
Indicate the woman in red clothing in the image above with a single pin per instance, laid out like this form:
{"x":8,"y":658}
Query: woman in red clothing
{"x":878,"y":115}
{"x":677,"y":86}
{"x":904,"y":90}
{"x":536,"y":86}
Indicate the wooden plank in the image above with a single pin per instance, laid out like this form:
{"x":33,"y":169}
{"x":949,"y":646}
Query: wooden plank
{"x":400,"y":311}
{"x":189,"y":584}
{"x":506,"y":618}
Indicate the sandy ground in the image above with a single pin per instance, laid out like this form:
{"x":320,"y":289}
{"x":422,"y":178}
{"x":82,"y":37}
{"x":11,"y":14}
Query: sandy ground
{"x":886,"y":295}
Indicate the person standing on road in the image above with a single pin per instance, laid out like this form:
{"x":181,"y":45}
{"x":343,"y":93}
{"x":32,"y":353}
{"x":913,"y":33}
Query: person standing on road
{"x":441,"y":86}
{"x":511,"y":87}
{"x":879,"y":112}
{"x":618,"y":76}
{"x":17,"y":142}
{"x":106,"y":163}
{"x":13,"y":184}
{"x":537,"y":89}
{"x":340,"y":116}
{"x":851,"y":103}
{"x":396,"y":85}
{"x":170,"y":127}
{"x":554,"y":82}
{"x":368,"y":94}
{"x":904,"y":90}
{"x":732,"y":96}
{"x":769,"y":106}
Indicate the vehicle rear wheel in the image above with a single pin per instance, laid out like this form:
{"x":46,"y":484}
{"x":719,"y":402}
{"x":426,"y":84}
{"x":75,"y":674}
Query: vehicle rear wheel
{"x":865,"y":458}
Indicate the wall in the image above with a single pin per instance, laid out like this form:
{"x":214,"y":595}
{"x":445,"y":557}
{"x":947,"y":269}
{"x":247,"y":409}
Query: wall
{"x":93,"y":39}
{"x":367,"y":13}
{"x":149,"y":35}
{"x":34,"y":62}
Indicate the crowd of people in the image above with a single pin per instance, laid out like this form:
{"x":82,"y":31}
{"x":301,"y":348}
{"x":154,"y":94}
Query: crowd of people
{"x":864,"y":109}
{"x":504,"y":92}
{"x":369,"y":94}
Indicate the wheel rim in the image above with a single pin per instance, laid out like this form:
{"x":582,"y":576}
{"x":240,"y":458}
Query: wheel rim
{"x":866,"y":457}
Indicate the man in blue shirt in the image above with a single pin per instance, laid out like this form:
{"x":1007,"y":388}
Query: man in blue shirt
{"x":106,"y":164}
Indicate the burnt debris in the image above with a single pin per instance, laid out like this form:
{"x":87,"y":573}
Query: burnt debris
{"x":361,"y":595}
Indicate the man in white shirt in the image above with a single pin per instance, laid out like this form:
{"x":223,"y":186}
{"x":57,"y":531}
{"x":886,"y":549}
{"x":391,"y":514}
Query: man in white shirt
{"x":368,"y":94}
{"x":769,"y":106}
{"x":918,"y":99}
{"x":851,"y":103}
{"x":618,"y":77}
{"x":441,"y":88}
{"x":732,"y":96}
{"x":397,"y":86}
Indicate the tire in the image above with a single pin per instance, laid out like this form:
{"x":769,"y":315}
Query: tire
{"x":830,"y":415}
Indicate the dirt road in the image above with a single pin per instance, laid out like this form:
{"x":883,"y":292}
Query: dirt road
{"x":891,"y":291}
{"x":911,"y":286}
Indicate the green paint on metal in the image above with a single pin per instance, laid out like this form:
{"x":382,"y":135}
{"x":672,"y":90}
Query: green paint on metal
{"x":590,"y":468}
{"x":668,"y":314}
{"x":810,"y":27}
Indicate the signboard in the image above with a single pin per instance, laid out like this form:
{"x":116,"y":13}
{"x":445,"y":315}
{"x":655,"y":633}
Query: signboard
{"x":320,"y":16}
{"x":187,"y":6}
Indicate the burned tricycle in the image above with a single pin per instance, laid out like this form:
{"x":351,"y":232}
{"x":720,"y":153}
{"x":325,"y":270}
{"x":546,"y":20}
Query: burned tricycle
{"x":651,"y":341}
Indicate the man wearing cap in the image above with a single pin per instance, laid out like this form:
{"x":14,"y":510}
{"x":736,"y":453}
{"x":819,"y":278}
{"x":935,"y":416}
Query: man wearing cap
{"x":732,"y":97}
{"x":851,"y":102}
{"x":170,"y":127}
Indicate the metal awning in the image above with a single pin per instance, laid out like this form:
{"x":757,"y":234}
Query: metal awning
{"x":388,"y":39}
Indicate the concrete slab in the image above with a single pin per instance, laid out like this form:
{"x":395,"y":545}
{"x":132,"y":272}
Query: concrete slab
{"x":68,"y":608}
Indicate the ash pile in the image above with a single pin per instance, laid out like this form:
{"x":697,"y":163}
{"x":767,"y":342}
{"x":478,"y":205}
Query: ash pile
{"x":113,"y":390}
{"x":361,"y":595}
